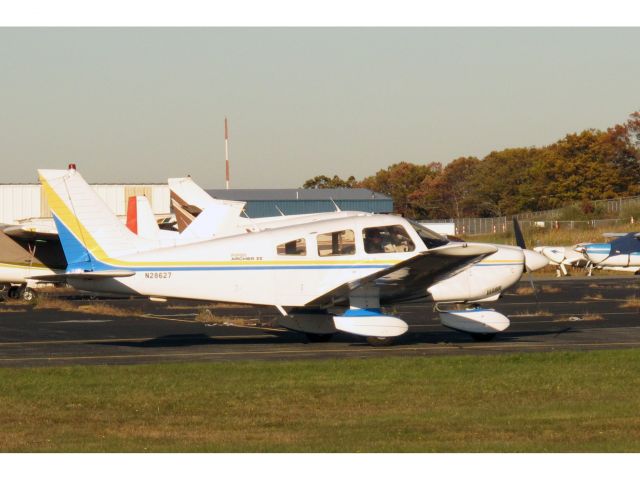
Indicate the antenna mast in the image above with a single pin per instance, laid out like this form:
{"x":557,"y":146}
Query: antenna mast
{"x":226,"y":150}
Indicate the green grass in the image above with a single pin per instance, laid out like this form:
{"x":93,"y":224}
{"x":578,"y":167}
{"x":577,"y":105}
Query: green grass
{"x":558,"y":402}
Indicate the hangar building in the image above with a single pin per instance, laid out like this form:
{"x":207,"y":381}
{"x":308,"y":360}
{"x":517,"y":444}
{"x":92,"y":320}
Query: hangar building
{"x":20,"y":202}
{"x":293,"y":201}
{"x":24,"y":201}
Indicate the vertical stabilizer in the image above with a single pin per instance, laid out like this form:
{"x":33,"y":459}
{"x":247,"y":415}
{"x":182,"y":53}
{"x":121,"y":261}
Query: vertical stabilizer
{"x":140,"y":218}
{"x":90,"y":233}
{"x":188,"y":200}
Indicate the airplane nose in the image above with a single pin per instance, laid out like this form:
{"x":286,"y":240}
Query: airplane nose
{"x":555,"y":254}
{"x":534,"y":261}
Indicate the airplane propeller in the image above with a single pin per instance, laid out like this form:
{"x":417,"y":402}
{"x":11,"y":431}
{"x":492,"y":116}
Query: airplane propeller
{"x":532,"y":260}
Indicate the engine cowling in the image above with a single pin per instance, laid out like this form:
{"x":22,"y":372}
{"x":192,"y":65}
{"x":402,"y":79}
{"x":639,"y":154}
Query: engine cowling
{"x":488,"y":278}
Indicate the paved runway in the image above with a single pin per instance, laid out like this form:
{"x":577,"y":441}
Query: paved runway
{"x":566,"y":314}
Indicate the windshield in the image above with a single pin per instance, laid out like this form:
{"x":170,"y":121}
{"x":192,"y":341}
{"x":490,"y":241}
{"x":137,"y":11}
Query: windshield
{"x":430,"y":238}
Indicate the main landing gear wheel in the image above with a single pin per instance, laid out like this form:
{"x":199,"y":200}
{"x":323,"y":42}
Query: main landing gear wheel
{"x":319,"y":337}
{"x":381,"y":341}
{"x":14,"y":292}
{"x":483,"y":337}
{"x":28,"y":294}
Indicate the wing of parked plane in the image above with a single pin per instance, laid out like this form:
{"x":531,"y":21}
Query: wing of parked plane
{"x":30,"y":231}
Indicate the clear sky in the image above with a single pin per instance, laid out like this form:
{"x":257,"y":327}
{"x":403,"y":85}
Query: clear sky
{"x":143,"y":104}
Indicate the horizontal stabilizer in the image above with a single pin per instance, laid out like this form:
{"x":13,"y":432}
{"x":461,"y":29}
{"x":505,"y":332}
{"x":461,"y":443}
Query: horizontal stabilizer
{"x":62,"y":277}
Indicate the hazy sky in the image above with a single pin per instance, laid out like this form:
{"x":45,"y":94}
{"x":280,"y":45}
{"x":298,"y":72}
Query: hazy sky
{"x":140,"y":105}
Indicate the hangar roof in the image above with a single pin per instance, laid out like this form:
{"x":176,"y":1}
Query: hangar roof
{"x":268,"y":194}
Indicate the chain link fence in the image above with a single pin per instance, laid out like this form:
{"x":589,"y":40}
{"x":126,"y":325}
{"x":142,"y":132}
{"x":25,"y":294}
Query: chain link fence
{"x":545,"y":219}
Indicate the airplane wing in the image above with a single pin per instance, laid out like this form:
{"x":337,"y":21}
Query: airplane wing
{"x":28,"y":232}
{"x":411,"y":278}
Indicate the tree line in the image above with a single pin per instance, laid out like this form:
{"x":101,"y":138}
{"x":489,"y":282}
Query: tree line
{"x":593,"y":164}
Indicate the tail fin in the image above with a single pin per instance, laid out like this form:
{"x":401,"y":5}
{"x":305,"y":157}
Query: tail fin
{"x":188,"y":200}
{"x":140,"y":218}
{"x":88,"y":230}
{"x":214,"y":221}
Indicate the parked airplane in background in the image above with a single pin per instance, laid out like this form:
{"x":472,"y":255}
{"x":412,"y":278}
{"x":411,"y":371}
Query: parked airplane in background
{"x":622,"y":253}
{"x":324,"y":273}
{"x":562,"y":257}
{"x":23,"y":255}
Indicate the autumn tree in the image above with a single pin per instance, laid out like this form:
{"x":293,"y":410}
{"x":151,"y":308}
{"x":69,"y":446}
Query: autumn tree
{"x":583,"y":166}
{"x":449,"y":193}
{"x":399,"y":181}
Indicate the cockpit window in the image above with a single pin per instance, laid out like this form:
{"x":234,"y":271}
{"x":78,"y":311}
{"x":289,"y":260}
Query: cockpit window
{"x":430,"y":238}
{"x":294,"y":247}
{"x":337,"y":243}
{"x":390,"y":239}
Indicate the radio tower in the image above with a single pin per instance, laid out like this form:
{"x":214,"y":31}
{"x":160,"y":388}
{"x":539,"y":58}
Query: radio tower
{"x":226,"y":149}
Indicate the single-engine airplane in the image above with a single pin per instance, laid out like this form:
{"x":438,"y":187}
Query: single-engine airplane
{"x":562,"y":257}
{"x":324,"y":275}
{"x":622,"y":253}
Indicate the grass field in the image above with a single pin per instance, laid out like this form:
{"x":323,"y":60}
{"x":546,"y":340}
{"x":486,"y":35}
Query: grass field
{"x":554,"y":402}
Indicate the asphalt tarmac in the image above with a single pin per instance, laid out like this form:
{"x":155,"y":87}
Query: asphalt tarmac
{"x":574,"y":313}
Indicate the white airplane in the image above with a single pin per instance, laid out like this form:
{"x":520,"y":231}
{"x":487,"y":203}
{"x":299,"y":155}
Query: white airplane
{"x":325,"y":275}
{"x":622,"y":253}
{"x":562,"y":257}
